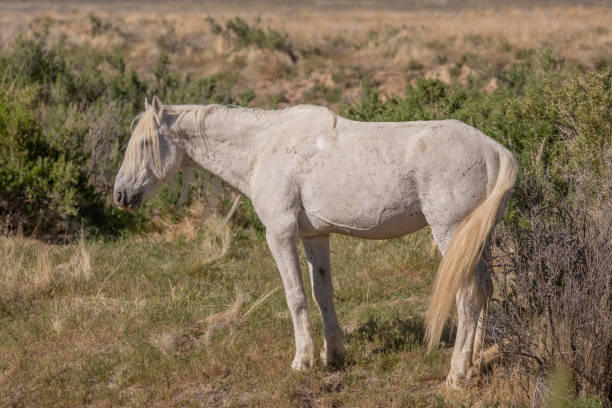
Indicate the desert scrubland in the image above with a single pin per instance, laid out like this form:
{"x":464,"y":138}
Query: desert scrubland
{"x":180,"y":303}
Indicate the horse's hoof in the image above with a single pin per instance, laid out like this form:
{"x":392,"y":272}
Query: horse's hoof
{"x":472,"y":373}
{"x":455,"y":381}
{"x":302,"y":363}
{"x":452,"y":383}
{"x":333,"y":359}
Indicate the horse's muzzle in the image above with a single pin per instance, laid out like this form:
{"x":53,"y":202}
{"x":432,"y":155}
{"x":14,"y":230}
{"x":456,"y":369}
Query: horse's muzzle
{"x":126,"y":202}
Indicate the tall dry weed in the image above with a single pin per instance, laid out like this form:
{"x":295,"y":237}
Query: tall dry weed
{"x":26,"y":268}
{"x":216,"y":242}
{"x":227,"y":319}
{"x":80,"y":265}
{"x":232,"y":317}
{"x":201,"y":223}
{"x":176,"y":341}
{"x":29,"y":268}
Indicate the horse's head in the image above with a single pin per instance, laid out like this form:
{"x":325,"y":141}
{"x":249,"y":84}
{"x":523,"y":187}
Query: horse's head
{"x":152,"y":157}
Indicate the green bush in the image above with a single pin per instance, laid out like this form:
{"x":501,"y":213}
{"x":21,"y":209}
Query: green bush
{"x":40,"y":183}
{"x":245,"y":35}
{"x":66,"y":116}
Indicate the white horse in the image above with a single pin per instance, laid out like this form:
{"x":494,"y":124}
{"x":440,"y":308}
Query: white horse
{"x":310,"y":173}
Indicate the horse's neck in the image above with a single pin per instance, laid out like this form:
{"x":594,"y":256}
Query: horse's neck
{"x":228,"y":144}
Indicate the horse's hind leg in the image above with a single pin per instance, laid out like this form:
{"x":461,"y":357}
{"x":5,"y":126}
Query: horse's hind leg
{"x":471,"y":308}
{"x":317,"y":254}
{"x":471,"y":303}
{"x":485,"y":286}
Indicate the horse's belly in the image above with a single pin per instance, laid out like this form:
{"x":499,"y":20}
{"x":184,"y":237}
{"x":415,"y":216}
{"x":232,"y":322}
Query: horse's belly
{"x":375,"y":201}
{"x":378,"y":223}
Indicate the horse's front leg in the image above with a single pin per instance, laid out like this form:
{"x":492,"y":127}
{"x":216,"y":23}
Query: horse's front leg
{"x":282,"y":242}
{"x":317,"y":254}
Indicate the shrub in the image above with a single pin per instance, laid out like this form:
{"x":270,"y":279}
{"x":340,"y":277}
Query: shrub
{"x":65,"y":118}
{"x":245,"y":35}
{"x":554,"y":303}
{"x":40,"y":183}
{"x":321,"y":93}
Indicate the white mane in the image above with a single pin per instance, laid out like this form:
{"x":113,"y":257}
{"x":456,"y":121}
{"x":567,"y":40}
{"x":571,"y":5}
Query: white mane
{"x":144,"y":143}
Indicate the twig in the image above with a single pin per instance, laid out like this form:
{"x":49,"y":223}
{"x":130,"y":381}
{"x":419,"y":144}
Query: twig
{"x":233,"y":208}
{"x":259,"y":302}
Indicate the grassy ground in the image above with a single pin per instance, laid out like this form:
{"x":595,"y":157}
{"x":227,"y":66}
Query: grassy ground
{"x":145,"y":320}
{"x":193,"y":314}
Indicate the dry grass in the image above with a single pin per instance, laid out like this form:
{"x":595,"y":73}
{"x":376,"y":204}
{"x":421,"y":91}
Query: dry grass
{"x":212,"y":231}
{"x":29,"y":268}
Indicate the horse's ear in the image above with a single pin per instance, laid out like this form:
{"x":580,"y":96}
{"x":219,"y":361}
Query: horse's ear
{"x":157,"y":106}
{"x":147,"y":104}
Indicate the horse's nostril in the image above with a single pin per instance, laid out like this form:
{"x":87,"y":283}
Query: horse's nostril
{"x":119,"y":197}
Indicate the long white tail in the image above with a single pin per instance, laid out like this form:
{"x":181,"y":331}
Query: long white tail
{"x":457,"y":268}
